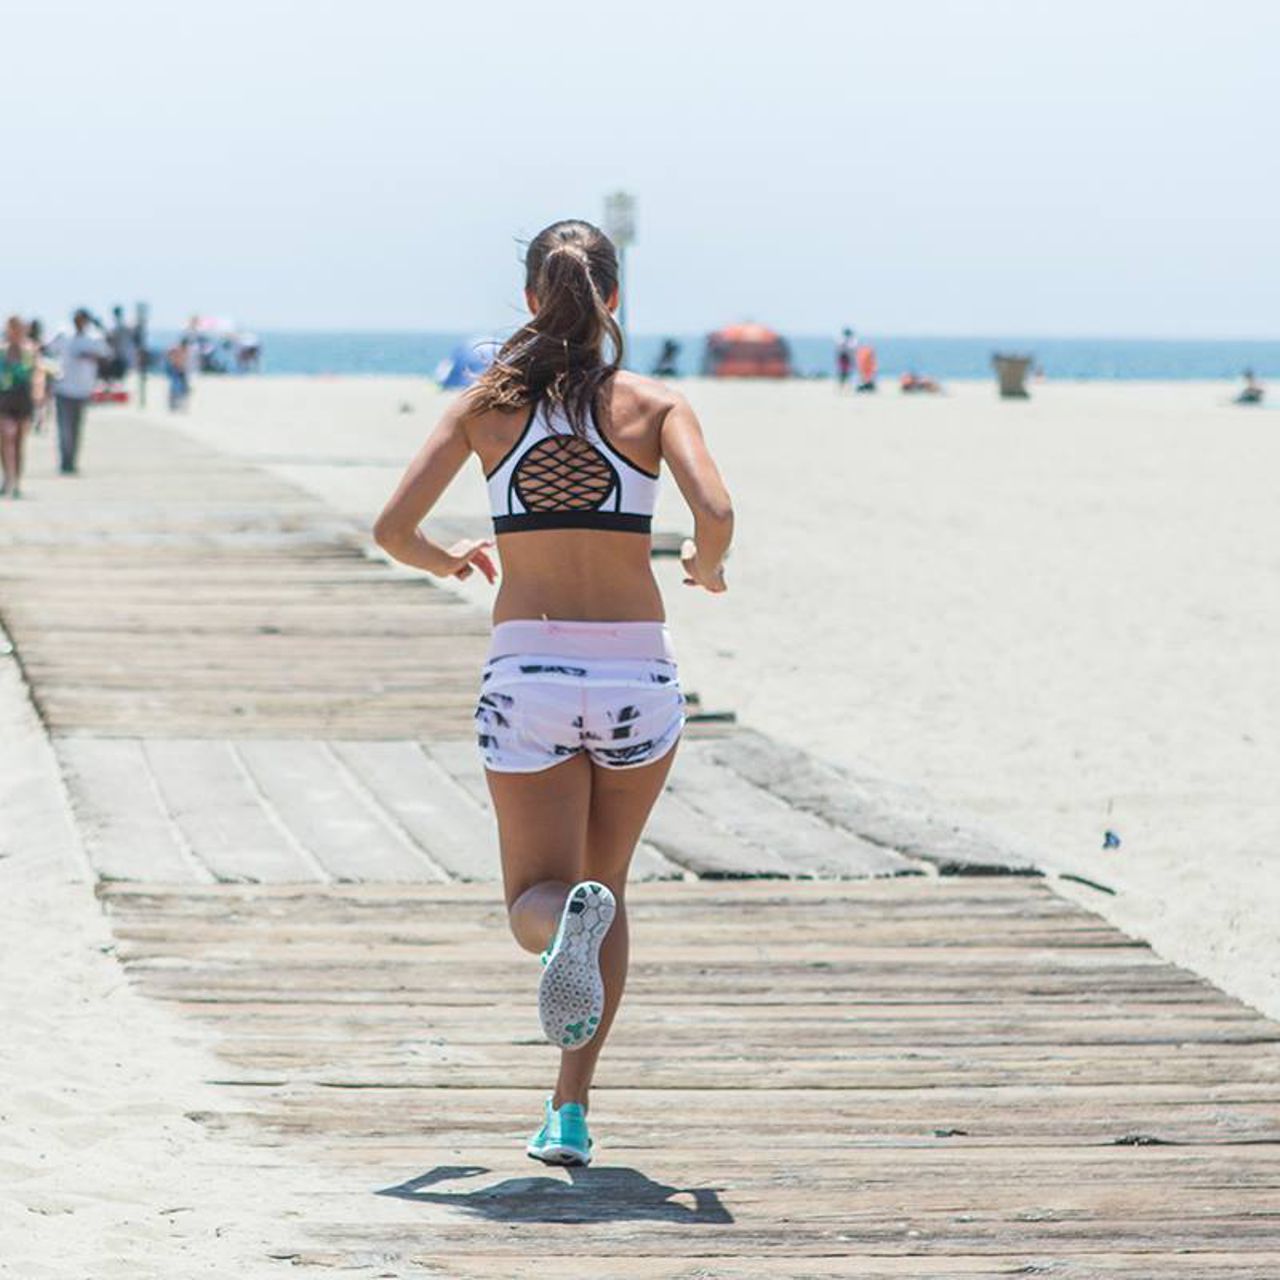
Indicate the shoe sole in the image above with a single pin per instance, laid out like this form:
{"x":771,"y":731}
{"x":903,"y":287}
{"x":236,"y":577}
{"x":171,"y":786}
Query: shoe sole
{"x":571,"y":993}
{"x":563,"y":1157}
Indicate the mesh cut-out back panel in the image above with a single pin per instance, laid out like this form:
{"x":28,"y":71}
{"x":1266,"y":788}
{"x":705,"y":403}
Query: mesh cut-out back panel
{"x":564,"y":473}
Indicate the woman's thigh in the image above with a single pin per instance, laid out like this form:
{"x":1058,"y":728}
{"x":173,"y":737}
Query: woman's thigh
{"x":621,"y":801}
{"x":542,"y":823}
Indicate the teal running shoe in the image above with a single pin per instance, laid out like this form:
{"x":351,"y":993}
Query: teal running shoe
{"x":571,"y":993}
{"x":563,"y":1138}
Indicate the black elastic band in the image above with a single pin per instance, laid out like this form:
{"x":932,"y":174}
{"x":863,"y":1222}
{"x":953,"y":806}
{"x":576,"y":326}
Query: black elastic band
{"x":619,"y":521}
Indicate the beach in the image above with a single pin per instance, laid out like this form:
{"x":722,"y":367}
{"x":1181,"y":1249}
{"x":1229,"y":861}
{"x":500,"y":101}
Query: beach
{"x":1057,"y":615}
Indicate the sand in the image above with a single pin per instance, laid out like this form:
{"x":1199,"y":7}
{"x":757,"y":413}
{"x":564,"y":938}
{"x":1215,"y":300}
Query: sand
{"x":1060,"y":615}
{"x":102,"y":1173}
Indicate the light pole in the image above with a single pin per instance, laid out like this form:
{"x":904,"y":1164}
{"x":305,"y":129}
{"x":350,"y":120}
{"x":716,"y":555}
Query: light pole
{"x":620,"y":227}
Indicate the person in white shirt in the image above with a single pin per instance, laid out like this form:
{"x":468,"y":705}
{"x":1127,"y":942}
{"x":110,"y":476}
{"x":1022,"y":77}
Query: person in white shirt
{"x":77,"y":355}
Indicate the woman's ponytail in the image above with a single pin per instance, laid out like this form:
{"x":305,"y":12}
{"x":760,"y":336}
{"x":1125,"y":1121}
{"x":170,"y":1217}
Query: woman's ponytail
{"x":570,"y":348}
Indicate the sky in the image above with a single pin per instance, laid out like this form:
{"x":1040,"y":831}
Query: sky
{"x":910,"y":166}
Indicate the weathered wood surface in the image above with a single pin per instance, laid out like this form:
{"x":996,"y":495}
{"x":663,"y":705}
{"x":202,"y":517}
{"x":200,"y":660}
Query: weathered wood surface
{"x":895,"y":1077}
{"x":241,"y":693}
{"x":298,"y":810}
{"x":172,"y":592}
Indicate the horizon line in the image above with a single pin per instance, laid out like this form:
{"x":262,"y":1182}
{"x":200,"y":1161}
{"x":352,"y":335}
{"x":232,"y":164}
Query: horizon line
{"x":878,"y":336}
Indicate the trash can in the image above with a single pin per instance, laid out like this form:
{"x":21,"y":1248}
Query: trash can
{"x":1011,"y":374}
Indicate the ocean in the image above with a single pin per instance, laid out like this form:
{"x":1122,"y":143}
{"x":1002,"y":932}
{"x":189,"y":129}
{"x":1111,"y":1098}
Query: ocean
{"x":945,"y":358}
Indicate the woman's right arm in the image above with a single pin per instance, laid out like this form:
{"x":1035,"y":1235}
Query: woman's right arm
{"x":685,"y":452}
{"x":396,"y":529}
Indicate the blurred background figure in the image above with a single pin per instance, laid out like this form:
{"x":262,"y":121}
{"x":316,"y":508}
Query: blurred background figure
{"x":846,"y":348}
{"x":17,"y":402}
{"x":248,"y":353}
{"x":867,"y":366}
{"x":123,"y":342}
{"x":177,"y":367}
{"x":41,"y":379}
{"x":1253,"y":391}
{"x":912,"y":382}
{"x":665,"y":366}
{"x":78,"y":355}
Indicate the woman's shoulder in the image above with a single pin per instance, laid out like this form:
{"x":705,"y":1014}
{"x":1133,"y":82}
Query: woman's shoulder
{"x":635,"y":396}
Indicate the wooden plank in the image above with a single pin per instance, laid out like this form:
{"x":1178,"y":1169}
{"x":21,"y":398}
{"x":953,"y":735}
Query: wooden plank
{"x":305,"y":787}
{"x":891,"y":815}
{"x":127,"y":833}
{"x":672,"y":1264}
{"x":808,"y":845}
{"x":215,"y":805}
{"x":685,"y":836}
{"x":443,"y":817}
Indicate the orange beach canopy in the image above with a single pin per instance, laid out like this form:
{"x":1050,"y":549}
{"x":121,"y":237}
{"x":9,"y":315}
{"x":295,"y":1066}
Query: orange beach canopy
{"x":746,"y":351}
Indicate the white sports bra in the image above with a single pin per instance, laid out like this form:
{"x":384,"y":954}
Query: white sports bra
{"x":552,"y":478}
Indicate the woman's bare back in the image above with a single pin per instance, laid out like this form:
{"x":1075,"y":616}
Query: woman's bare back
{"x":592,"y":575}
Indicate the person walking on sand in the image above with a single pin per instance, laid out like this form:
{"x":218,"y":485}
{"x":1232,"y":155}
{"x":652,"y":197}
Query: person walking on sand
{"x":845,"y":350}
{"x":78,"y":354}
{"x":579,"y":708}
{"x":17,"y":402}
{"x":867,"y":367}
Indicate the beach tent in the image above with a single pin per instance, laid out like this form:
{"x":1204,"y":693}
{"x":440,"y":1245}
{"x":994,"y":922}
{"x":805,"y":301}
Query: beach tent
{"x":466,"y":363}
{"x":746,"y":351}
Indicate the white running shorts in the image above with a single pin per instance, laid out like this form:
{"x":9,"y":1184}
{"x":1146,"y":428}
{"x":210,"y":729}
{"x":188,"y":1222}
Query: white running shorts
{"x":551,"y":690}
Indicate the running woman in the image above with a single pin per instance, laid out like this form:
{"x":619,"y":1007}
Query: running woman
{"x":580,"y":707}
{"x":17,"y":402}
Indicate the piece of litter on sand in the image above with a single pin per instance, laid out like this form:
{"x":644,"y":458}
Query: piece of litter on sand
{"x":1110,"y":840}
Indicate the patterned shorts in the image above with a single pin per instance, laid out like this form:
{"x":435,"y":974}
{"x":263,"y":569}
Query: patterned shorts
{"x":611,"y":690}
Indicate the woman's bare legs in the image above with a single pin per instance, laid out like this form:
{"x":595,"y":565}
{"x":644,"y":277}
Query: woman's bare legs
{"x":19,"y":450}
{"x":542,"y":832}
{"x":10,"y":446}
{"x":576,"y":821}
{"x":621,"y":801}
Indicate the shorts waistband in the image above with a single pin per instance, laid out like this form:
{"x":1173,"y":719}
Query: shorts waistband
{"x":582,"y":640}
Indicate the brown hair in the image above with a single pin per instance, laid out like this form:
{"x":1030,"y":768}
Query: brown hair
{"x":571,"y":268}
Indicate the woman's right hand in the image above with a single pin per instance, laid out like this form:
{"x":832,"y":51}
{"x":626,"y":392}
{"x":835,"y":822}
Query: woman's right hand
{"x":696,"y":574}
{"x":471,"y":553}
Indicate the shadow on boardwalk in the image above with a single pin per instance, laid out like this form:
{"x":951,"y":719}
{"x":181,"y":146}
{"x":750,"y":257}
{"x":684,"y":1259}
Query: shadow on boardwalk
{"x":617,"y":1194}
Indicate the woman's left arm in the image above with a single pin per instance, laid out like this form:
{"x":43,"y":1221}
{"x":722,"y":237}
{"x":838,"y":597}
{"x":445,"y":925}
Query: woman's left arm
{"x":428,"y":476}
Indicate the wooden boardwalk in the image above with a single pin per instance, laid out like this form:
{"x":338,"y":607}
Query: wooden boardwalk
{"x":239,"y":691}
{"x":848,"y":1048}
{"x":953,"y":1077}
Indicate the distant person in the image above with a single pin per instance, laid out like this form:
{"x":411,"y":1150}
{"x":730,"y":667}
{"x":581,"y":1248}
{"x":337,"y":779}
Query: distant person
{"x":40,"y":379}
{"x":123,"y":343}
{"x":1253,"y":391}
{"x":666,"y":364}
{"x":867,"y":366}
{"x":195,"y":350}
{"x":912,"y":382}
{"x":17,"y":402}
{"x":177,"y":367}
{"x":78,"y":355}
{"x":846,"y":348}
{"x":248,"y":353}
